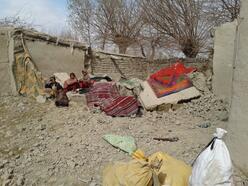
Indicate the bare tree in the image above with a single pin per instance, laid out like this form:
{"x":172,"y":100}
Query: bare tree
{"x":15,"y":21}
{"x":182,"y":20}
{"x":223,"y":10}
{"x":81,"y":16}
{"x":121,"y":20}
{"x":231,"y":8}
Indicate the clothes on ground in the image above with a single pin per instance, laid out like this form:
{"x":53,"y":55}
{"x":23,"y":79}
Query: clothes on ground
{"x":106,"y":96}
{"x":121,"y":106}
{"x":125,"y":143}
{"x":170,"y":80}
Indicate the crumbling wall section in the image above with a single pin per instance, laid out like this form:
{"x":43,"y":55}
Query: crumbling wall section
{"x":224,"y":53}
{"x":50,"y":58}
{"x":132,"y":66}
{"x":5,"y":70}
{"x":237,"y":125}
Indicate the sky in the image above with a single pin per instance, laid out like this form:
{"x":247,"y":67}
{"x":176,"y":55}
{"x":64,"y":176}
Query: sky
{"x":46,"y":15}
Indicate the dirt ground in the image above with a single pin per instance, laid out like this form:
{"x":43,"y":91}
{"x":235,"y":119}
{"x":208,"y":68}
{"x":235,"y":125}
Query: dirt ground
{"x":44,"y":145}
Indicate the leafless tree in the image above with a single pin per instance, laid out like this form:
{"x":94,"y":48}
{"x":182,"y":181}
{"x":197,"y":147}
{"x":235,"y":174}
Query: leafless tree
{"x":81,"y":16}
{"x":182,"y":20}
{"x":223,"y":10}
{"x":121,"y":20}
{"x":15,"y":21}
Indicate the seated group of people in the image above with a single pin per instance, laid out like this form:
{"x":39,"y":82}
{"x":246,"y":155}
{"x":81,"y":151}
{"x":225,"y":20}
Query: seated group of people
{"x":72,"y":84}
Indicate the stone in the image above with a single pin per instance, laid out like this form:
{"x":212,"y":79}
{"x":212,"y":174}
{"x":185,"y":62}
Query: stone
{"x":20,"y":180}
{"x":40,"y":99}
{"x":204,"y":125}
{"x":42,"y":127}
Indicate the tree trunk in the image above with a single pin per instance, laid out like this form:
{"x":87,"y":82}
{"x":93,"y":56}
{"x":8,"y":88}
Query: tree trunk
{"x":103,"y":44}
{"x":153,"y":53}
{"x":142,"y":51}
{"x":190,"y":49}
{"x":122,"y":49}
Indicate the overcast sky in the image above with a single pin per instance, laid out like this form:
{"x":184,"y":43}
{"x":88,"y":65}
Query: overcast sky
{"x":46,"y":15}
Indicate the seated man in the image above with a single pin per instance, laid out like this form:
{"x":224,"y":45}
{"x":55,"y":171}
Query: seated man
{"x":85,"y":81}
{"x":71,"y":84}
{"x":52,"y":87}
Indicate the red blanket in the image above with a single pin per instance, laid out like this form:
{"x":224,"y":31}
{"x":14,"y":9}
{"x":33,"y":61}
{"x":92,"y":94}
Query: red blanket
{"x":107,"y":97}
{"x":170,"y":80}
{"x":121,"y":106}
{"x":166,"y":75}
{"x":177,"y":84}
{"x":99,"y":92}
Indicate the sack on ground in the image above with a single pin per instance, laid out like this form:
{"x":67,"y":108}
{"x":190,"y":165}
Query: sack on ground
{"x":159,"y":169}
{"x":213,"y":166}
{"x":172,"y":172}
{"x":135,"y":172}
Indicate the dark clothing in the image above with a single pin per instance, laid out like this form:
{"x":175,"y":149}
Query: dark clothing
{"x":56,"y":84}
{"x":98,"y":78}
{"x":62,"y":100}
{"x":72,"y":87}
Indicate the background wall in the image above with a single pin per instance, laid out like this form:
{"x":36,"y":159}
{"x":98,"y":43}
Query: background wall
{"x":50,"y":58}
{"x":135,"y":66}
{"x":5,"y":87}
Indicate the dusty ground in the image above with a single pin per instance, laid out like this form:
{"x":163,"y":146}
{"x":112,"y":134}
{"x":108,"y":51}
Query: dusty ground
{"x":44,"y":145}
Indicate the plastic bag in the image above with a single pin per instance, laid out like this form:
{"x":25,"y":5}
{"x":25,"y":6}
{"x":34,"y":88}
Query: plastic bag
{"x":213,"y":167}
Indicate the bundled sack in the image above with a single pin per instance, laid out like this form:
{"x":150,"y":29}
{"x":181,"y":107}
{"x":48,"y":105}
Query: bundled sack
{"x":159,"y":169}
{"x":135,"y":172}
{"x":172,"y":172}
{"x":213,"y":167}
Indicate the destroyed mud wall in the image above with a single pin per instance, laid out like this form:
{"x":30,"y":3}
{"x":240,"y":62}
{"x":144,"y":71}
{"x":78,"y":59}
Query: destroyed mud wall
{"x":132,"y":66}
{"x":4,"y":63}
{"x":50,"y":54}
{"x":224,"y":54}
{"x":237,"y":125}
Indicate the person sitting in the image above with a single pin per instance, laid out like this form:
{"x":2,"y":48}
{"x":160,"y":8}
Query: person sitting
{"x":52,"y":87}
{"x":85,"y":82}
{"x":71,"y":84}
{"x":62,"y":99}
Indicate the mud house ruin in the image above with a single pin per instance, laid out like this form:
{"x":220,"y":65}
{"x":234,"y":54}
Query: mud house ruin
{"x":47,"y":54}
{"x":230,"y":82}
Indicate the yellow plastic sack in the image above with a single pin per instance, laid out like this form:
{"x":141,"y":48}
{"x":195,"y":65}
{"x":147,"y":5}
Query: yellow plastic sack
{"x":135,"y":172}
{"x":158,"y":169}
{"x":172,"y":172}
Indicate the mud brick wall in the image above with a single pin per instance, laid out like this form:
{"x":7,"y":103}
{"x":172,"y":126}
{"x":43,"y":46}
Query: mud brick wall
{"x":129,"y":66}
{"x":136,"y":66}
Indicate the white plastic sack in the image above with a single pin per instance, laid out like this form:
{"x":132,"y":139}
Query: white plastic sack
{"x":213,"y":167}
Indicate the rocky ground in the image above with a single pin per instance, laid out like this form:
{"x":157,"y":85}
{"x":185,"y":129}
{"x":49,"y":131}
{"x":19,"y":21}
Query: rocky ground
{"x":44,"y":145}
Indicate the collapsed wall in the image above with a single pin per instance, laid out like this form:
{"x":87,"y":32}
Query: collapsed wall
{"x":117,"y":65}
{"x":5,"y":67}
{"x":237,"y":125}
{"x":52,"y":54}
{"x":230,"y":82}
{"x":28,"y":57}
